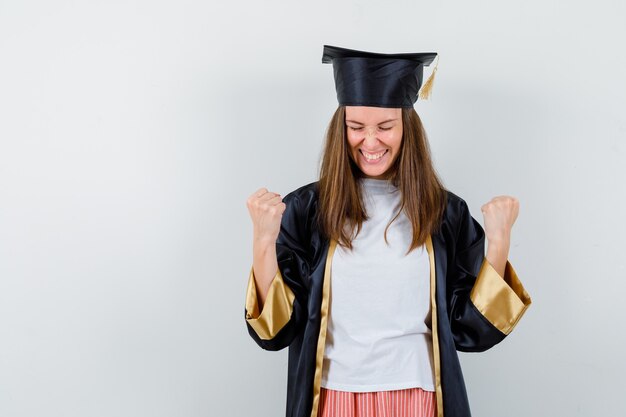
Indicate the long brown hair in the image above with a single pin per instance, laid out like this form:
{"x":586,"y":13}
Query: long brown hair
{"x":423,"y":196}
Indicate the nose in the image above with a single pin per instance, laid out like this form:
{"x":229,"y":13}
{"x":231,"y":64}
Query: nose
{"x":370,"y":135}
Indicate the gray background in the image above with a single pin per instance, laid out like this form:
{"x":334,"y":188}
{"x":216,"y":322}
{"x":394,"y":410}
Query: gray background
{"x":132,"y":132}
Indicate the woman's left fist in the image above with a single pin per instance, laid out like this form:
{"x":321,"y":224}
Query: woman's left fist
{"x":500,"y":214}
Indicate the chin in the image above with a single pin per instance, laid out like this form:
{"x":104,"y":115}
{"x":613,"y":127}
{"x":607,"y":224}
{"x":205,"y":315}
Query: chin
{"x":374,"y":173}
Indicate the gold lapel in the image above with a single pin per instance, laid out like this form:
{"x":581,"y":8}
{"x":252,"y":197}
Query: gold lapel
{"x":435,"y":330}
{"x":321,"y":342}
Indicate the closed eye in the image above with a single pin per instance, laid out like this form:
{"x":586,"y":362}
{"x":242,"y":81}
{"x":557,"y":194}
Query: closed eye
{"x":356,"y":129}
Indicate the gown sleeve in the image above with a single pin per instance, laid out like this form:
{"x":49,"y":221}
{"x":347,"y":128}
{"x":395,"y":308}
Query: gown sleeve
{"x":284,"y":312}
{"x":484,"y":306}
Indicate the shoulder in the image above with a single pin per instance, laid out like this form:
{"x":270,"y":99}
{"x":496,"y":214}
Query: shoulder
{"x":454,"y":203}
{"x":456,"y":212}
{"x":300,"y":218}
{"x":302,"y":204}
{"x":305,"y":195}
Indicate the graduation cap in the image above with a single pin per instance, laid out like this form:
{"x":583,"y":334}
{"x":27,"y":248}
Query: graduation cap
{"x":379,"y":80}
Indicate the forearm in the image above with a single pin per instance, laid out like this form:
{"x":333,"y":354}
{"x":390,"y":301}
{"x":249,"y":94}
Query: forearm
{"x":265,"y":266}
{"x":498,"y":253}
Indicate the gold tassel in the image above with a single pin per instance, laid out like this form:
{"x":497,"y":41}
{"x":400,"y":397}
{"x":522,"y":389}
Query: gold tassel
{"x":426,"y":89}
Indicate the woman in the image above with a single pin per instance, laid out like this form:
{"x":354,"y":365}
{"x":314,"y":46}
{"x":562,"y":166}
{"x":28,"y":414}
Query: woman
{"x":411,"y":284}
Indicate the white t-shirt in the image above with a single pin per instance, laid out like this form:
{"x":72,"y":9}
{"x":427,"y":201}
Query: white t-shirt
{"x":379,"y":336}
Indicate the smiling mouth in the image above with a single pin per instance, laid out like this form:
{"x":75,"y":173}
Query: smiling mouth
{"x":374,"y":156}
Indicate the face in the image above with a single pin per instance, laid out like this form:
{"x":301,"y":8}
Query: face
{"x":374,"y":137}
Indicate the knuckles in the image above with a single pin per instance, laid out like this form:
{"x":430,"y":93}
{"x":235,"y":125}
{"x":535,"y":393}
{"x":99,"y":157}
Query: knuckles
{"x":256,"y":203}
{"x":501,"y":203}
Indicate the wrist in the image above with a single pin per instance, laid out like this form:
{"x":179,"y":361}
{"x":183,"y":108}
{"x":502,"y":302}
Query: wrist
{"x":498,"y":249}
{"x":263,"y":243}
{"x":499,"y":239}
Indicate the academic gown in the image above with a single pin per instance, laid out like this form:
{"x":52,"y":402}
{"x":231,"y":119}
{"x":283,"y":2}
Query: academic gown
{"x":473,"y":307}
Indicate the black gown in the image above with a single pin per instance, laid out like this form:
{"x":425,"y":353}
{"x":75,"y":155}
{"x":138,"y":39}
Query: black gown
{"x":473,"y":307}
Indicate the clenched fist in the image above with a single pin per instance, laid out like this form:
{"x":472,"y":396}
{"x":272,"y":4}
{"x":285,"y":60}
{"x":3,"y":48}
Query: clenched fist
{"x":266,"y":210}
{"x":500,"y":214}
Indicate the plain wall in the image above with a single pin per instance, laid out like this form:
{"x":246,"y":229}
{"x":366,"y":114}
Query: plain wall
{"x":132,"y":132}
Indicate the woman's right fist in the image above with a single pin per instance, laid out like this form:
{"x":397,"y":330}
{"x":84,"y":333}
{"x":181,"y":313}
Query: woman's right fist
{"x":266,"y":210}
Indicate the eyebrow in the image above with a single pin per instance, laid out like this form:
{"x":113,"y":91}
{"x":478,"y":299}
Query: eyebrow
{"x":359,"y":123}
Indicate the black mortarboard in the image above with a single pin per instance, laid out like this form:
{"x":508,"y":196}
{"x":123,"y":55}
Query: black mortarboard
{"x":378,"y":80}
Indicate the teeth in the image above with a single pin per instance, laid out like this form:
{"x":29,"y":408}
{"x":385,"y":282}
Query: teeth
{"x":374,"y":156}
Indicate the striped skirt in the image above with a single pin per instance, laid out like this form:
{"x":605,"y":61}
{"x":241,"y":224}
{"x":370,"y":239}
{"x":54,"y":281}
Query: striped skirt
{"x":412,"y":402}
